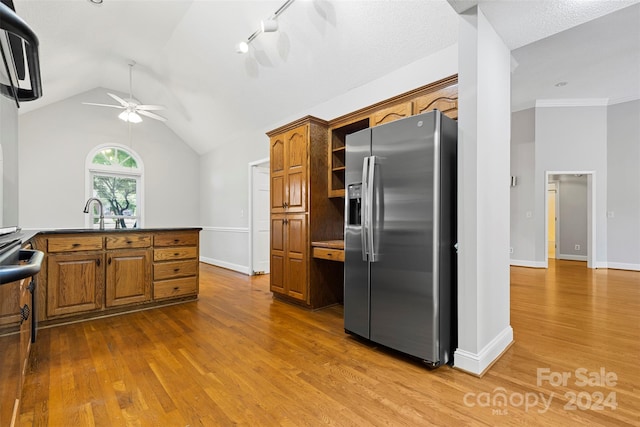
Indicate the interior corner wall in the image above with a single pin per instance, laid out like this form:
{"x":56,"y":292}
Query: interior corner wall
{"x":623,"y":185}
{"x":224,"y":200}
{"x":484,"y":117}
{"x":54,"y":143}
{"x":571,"y":139}
{"x":522,"y":203}
{"x":224,"y":187}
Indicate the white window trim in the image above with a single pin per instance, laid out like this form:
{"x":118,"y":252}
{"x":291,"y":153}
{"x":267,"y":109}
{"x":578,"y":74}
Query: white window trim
{"x":91,"y":169}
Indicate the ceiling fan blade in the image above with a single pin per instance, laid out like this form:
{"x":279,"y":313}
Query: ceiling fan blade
{"x":150,"y":107}
{"x":152,"y":115}
{"x":104,"y":105}
{"x":120,"y":100}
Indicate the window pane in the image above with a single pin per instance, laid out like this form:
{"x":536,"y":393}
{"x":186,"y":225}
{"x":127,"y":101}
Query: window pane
{"x":118,"y":196}
{"x":101,"y":159}
{"x":115,"y":157}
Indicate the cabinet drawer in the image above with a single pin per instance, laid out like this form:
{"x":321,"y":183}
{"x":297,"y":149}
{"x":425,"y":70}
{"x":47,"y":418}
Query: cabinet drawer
{"x":330,"y":254}
{"x":175,"y":287}
{"x":174,"y":254}
{"x":171,"y":270}
{"x":176,"y":239}
{"x":74,"y":243}
{"x":128,"y":241}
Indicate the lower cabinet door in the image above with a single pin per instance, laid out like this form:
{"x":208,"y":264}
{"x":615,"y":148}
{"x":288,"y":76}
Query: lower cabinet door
{"x":289,"y":255}
{"x":75,"y":283}
{"x":128,"y":277}
{"x":277,"y":269}
{"x":296,"y":260}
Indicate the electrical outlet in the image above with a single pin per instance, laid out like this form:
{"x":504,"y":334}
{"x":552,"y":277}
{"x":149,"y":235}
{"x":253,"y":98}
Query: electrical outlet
{"x":510,"y":250}
{"x":577,"y":247}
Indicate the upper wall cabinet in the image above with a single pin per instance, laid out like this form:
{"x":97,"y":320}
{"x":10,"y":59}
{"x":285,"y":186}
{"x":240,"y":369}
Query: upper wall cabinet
{"x":289,"y":171}
{"x":441,"y":95}
{"x":391,"y":114}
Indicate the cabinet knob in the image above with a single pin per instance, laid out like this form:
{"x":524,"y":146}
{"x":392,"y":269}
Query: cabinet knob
{"x":109,"y":261}
{"x":98,"y":262}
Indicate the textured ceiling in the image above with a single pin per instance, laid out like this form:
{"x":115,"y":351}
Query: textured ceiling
{"x":184,"y":50}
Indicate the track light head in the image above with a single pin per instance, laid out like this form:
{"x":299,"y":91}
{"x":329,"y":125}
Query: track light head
{"x":242,"y":47}
{"x":269,"y":25}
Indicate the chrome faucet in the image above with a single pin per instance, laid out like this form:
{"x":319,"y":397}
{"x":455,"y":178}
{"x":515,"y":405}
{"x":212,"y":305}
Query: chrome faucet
{"x":101,"y":210}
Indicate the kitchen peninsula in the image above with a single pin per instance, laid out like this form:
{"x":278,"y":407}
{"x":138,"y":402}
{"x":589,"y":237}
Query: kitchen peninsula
{"x":90,"y":273}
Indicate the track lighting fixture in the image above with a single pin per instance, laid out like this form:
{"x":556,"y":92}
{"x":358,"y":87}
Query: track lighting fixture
{"x":268,"y":25}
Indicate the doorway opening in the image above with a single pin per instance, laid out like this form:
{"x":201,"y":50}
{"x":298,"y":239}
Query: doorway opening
{"x":259,"y":217}
{"x":570,"y":226}
{"x":552,"y":217}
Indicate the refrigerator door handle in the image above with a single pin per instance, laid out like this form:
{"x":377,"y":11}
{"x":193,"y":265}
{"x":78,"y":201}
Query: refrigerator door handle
{"x":370,"y":226}
{"x":363,"y":210}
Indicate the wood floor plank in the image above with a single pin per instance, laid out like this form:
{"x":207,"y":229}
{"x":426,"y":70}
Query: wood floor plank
{"x":236,"y":356}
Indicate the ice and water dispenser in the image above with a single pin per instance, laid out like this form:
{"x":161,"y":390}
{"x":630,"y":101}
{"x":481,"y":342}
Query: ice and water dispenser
{"x":354,"y":197}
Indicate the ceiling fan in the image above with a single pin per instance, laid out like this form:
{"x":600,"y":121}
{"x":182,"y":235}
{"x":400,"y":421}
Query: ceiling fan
{"x":132,"y":108}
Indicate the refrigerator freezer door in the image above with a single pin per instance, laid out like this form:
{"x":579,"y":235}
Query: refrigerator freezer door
{"x":404,"y":309}
{"x":356,"y":270}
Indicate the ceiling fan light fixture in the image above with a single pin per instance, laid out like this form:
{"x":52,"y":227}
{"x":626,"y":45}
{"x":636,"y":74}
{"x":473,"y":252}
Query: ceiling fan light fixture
{"x":130,"y":116}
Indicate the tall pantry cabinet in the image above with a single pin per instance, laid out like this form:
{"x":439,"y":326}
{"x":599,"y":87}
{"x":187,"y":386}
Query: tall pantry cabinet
{"x":302,"y":213}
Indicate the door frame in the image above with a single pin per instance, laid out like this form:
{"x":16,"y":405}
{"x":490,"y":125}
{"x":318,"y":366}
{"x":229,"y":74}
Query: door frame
{"x":555,"y":187}
{"x":591,"y":215}
{"x":250,"y":167}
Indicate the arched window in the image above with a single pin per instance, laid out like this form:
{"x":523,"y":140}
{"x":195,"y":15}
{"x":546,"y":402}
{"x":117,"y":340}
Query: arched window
{"x":115,"y":177}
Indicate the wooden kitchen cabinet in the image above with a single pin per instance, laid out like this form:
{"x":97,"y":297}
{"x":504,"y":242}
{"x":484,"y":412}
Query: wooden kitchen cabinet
{"x":441,"y":95}
{"x":289,"y":248}
{"x":175,"y":264}
{"x":391,"y":114}
{"x":128,"y":277}
{"x":128,"y":270}
{"x":300,"y":212}
{"x":16,"y":317}
{"x":445,"y":100}
{"x":94,"y":273}
{"x":288,"y":171}
{"x":75,"y":283}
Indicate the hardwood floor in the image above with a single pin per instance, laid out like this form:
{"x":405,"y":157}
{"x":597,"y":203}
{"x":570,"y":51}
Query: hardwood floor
{"x":236,"y":356}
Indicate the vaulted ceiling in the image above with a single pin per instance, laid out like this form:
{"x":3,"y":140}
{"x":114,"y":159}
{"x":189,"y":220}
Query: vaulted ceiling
{"x":185,"y":53}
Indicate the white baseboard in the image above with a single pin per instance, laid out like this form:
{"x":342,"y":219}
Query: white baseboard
{"x":477,"y":363}
{"x":531,"y":264}
{"x":623,"y":266}
{"x":571,"y":257}
{"x":235,"y":267}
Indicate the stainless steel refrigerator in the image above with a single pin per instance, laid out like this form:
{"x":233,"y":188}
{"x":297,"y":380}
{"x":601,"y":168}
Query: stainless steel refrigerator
{"x":400,"y":232}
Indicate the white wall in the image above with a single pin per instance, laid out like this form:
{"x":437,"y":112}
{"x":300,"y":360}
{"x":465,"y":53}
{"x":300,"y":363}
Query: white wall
{"x":603,"y":139}
{"x":55,"y":141}
{"x":623,"y":185}
{"x":571,"y":139}
{"x":522,"y":203}
{"x":223,"y":171}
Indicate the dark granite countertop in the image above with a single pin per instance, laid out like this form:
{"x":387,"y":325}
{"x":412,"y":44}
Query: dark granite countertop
{"x":23,"y":236}
{"x":113,"y":230}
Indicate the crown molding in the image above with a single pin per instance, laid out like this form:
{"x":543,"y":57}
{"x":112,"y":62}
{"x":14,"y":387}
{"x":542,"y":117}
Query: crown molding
{"x":577,"y":102}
